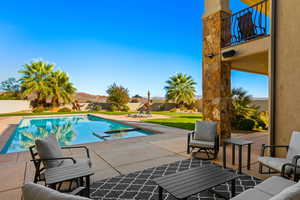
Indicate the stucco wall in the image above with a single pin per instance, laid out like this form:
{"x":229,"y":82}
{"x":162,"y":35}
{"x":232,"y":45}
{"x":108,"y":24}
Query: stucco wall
{"x":287,"y":113}
{"x":8,"y":106}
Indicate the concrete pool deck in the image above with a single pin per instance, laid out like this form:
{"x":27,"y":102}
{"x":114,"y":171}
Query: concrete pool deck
{"x":110,"y":158}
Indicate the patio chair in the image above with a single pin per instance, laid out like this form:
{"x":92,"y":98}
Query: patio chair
{"x":247,"y":29}
{"x":31,"y":191}
{"x":47,"y":154}
{"x":288,"y":165}
{"x":205,"y":139}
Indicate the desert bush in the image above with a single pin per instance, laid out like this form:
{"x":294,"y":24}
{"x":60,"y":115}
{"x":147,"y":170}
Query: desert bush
{"x":94,"y":107}
{"x":173,"y":110}
{"x":113,"y":108}
{"x":65,"y":109}
{"x":125,"y":108}
{"x":245,"y":124}
{"x":38,"y":110}
{"x":118,"y":96}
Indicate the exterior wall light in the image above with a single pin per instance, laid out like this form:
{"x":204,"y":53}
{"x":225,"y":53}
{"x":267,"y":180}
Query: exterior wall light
{"x":229,"y":53}
{"x":211,"y":55}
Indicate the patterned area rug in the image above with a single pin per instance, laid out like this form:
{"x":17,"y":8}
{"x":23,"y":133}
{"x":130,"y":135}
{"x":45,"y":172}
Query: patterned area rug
{"x":139,"y":185}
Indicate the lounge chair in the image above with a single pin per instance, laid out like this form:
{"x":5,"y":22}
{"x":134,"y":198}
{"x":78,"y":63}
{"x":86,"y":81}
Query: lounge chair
{"x":277,"y":165}
{"x":47,"y":154}
{"x":204,"y":138}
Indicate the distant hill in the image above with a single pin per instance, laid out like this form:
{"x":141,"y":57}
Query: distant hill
{"x":83,"y":97}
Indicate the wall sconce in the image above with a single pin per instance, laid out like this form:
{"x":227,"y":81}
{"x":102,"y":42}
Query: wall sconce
{"x":211,"y":55}
{"x":228,"y":54}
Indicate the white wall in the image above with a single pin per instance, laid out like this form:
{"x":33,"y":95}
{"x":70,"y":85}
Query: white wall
{"x":8,"y":106}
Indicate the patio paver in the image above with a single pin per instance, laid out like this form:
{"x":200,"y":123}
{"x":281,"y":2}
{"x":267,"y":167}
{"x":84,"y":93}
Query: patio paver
{"x":113,"y":158}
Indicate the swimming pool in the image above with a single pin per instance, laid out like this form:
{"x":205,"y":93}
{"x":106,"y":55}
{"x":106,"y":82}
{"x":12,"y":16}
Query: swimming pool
{"x":69,"y":130}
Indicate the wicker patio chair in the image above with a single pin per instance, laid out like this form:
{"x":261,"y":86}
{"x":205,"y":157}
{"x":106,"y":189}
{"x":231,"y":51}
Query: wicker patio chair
{"x":205,"y":139}
{"x":288,"y":165}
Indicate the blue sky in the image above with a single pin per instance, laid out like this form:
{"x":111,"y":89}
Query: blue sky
{"x":136,"y":43}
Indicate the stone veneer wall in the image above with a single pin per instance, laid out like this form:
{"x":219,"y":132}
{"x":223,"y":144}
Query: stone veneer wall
{"x":215,"y":76}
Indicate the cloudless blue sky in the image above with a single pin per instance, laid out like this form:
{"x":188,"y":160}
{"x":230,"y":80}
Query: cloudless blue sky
{"x":135,"y":43}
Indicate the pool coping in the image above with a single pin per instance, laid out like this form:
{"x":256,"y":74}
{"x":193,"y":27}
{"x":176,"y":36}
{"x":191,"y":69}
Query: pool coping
{"x":5,"y":137}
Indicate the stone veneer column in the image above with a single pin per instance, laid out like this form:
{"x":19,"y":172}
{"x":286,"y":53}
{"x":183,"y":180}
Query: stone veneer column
{"x":215,"y":76}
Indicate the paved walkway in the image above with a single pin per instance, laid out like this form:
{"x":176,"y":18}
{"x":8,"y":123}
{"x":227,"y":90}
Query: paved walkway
{"x":111,"y":158}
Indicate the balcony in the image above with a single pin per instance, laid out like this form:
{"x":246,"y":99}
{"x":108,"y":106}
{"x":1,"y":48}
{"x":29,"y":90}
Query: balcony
{"x":246,"y":25}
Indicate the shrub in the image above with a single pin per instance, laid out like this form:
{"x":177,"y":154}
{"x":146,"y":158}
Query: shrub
{"x":244,"y":124}
{"x":38,"y":110}
{"x":65,"y":109}
{"x":94,"y":107}
{"x":97,"y":108}
{"x":173,"y":110}
{"x":117,"y":95}
{"x":113,"y":108}
{"x":125,"y":108}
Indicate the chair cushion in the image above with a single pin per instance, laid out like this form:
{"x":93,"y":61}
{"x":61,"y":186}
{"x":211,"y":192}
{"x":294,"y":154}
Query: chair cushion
{"x":274,"y":185}
{"x":205,"y":131}
{"x":38,"y":192}
{"x":49,"y":148}
{"x":78,"y":161}
{"x":294,"y":146}
{"x":198,"y":143}
{"x":290,"y":193}
{"x":252,"y":194}
{"x":275,"y":163}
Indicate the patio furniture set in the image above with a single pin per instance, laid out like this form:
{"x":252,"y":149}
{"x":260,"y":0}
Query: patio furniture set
{"x":55,"y":170}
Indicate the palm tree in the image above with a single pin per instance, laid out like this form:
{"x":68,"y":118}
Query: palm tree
{"x":180,"y":89}
{"x":35,"y":80}
{"x":62,"y":89}
{"x":241,"y":102}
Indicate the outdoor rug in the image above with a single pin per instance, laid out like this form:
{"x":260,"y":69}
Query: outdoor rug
{"x":139,"y":185}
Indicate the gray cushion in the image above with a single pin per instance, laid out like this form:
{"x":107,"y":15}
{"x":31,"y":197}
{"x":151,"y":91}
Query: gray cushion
{"x":274,"y":185}
{"x":198,"y":143}
{"x":294,"y":146}
{"x":275,"y":163}
{"x":38,"y":192}
{"x":78,"y":161}
{"x":252,"y":194}
{"x":205,"y":131}
{"x":49,"y":148}
{"x":290,"y":193}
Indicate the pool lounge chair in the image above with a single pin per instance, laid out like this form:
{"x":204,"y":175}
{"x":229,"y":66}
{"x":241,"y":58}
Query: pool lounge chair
{"x":205,"y":139}
{"x":283,"y":165}
{"x":47,"y":154}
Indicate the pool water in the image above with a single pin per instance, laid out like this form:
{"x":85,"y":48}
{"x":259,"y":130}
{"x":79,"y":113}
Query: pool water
{"x":69,"y":130}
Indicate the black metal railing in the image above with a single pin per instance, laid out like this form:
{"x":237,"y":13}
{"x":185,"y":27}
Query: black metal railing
{"x":245,"y":25}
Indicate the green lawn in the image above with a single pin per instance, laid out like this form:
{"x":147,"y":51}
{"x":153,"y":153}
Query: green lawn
{"x":178,"y":120}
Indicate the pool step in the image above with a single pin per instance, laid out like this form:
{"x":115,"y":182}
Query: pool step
{"x":122,"y":130}
{"x":100,"y":136}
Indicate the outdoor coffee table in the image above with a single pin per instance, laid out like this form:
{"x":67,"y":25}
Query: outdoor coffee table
{"x":240,"y":143}
{"x":56,"y":175}
{"x":186,"y":183}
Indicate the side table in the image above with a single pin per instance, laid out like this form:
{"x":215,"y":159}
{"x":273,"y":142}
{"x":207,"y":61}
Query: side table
{"x":240,"y":143}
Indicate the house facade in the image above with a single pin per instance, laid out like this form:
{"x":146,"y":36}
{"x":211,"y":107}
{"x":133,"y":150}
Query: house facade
{"x":261,"y":39}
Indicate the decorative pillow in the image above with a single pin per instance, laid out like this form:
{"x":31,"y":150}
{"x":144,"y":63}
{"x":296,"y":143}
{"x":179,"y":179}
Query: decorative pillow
{"x":205,"y":131}
{"x":289,"y":193}
{"x":49,"y":148}
{"x":33,"y":191}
